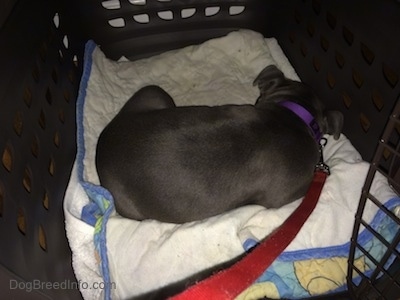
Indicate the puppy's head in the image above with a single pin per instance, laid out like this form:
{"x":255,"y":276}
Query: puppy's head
{"x":275,"y":87}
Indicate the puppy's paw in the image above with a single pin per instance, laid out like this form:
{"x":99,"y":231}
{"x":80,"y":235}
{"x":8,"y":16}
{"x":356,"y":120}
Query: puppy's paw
{"x":333,"y":123}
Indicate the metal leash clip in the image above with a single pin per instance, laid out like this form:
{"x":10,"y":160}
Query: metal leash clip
{"x":321,"y":166}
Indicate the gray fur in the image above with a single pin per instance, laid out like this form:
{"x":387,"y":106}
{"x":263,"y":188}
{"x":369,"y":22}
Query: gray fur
{"x":180,"y":164}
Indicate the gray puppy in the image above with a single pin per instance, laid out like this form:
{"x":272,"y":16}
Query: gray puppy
{"x":180,"y":164}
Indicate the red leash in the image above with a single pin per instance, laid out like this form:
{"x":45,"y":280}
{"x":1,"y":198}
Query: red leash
{"x":229,"y":283}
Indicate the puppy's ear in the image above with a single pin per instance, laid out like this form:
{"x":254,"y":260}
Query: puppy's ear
{"x":333,"y":123}
{"x":268,"y":79}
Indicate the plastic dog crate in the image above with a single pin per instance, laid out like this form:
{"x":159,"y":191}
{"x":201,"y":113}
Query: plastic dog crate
{"x":348,"y":51}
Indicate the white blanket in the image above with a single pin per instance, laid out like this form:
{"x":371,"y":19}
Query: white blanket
{"x":142,"y":256}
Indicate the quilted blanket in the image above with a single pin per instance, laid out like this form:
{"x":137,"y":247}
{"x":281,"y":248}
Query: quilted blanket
{"x":131,"y":258}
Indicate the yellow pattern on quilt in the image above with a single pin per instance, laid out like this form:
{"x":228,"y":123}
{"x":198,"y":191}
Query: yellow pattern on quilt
{"x":313,"y":277}
{"x":319,"y":276}
{"x":259,"y":290}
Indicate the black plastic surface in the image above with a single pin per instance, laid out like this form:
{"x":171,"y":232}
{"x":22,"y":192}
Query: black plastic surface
{"x":348,"y":51}
{"x":38,"y":86}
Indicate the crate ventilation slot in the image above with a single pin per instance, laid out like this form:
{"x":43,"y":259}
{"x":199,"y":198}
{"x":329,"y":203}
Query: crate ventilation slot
{"x":391,"y":76}
{"x":60,"y":56}
{"x":311,"y":29}
{"x":187,"y":13}
{"x":67,"y":96}
{"x":324,"y":43}
{"x":367,"y":54}
{"x":21,"y":221}
{"x":166,"y":15}
{"x":120,"y":22}
{"x":65,"y":42}
{"x":18,"y":123}
{"x":339,"y":59}
{"x":111,"y":4}
{"x":49,"y":97}
{"x":46,"y":201}
{"x":56,"y":139}
{"x":348,"y":36}
{"x":236,"y":10}
{"x":365,"y":122}
{"x":357,"y":78}
{"x":42,"y":238}
{"x":22,"y":227}
{"x":7,"y":158}
{"x":71,"y":76}
{"x":330,"y":79}
{"x":52,"y":165}
{"x":347,"y":100}
{"x":377,"y":99}
{"x":27,"y":180}
{"x":142,"y":2}
{"x":387,"y":154}
{"x":42,"y":120}
{"x":331,"y":20}
{"x":316,"y":5}
{"x":212,"y":11}
{"x":75,"y":60}
{"x":27,"y":97}
{"x":56,"y":20}
{"x":61,"y":116}
{"x":35,"y":147}
{"x":317,"y":64}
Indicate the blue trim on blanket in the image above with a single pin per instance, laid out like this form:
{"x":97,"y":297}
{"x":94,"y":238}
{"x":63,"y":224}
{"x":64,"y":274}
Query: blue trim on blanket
{"x":98,"y":211}
{"x":340,"y":250}
{"x":87,"y":69}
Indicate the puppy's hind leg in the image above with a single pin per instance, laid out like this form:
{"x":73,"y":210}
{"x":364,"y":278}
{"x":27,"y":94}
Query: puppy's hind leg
{"x":149,"y":98}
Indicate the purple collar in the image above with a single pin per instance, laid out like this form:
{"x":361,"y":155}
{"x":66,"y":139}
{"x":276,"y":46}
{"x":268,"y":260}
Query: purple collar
{"x":305,"y":115}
